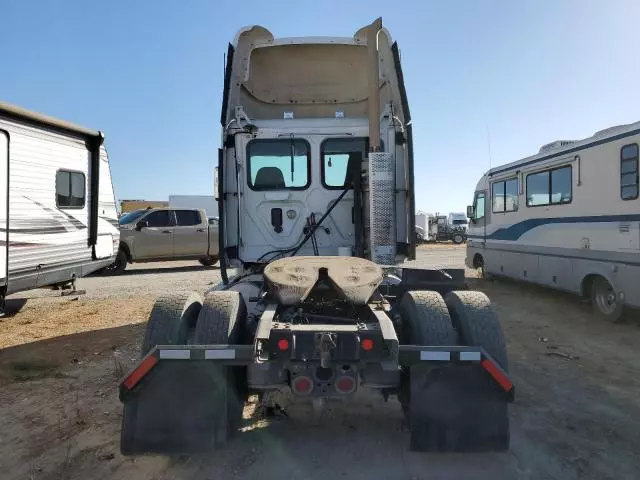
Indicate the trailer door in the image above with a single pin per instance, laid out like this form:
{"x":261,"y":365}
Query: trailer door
{"x":4,"y":205}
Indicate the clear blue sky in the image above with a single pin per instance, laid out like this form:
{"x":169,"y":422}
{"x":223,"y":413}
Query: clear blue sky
{"x":149,"y":74}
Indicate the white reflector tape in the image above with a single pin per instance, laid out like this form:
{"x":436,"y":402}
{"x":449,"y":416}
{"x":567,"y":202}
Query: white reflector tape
{"x":438,"y":356}
{"x":469,"y":356}
{"x":175,"y":354}
{"x":226,"y":354}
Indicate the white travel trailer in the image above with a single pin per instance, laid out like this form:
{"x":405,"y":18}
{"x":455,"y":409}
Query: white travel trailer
{"x":57,"y":207}
{"x":567,"y":218}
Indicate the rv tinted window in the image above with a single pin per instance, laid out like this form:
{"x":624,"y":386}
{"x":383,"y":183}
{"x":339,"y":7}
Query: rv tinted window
{"x":70,"y":189}
{"x":278,"y":164}
{"x":629,"y":172}
{"x":187,"y":218}
{"x":505,"y":196}
{"x":159,"y":218}
{"x":551,"y":187}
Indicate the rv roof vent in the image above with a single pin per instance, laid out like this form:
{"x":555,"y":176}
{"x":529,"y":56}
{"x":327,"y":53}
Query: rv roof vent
{"x":557,"y":144}
{"x":609,"y":131}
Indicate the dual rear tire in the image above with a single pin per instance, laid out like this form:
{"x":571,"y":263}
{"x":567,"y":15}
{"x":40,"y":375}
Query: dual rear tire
{"x":448,"y":408}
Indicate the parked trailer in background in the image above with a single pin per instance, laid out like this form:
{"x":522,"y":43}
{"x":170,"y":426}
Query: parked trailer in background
{"x":567,"y":218}
{"x":57,"y":207}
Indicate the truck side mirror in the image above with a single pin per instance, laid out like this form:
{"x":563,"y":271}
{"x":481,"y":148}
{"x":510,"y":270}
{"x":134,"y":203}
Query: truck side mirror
{"x":470,"y":212}
{"x":141,"y":224}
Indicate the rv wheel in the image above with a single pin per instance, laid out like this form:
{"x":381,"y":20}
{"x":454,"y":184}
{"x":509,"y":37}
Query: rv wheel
{"x":605,"y":301}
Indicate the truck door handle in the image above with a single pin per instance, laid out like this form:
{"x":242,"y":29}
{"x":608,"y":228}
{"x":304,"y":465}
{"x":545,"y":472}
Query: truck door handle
{"x":201,"y":230}
{"x":166,"y":231}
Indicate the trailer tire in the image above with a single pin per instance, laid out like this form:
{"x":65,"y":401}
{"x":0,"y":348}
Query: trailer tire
{"x":172,"y":319}
{"x":477,"y":324}
{"x":222,"y":321}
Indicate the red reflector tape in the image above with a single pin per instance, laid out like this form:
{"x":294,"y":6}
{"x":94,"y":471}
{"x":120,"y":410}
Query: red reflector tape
{"x":145,"y":366}
{"x":497,"y":374}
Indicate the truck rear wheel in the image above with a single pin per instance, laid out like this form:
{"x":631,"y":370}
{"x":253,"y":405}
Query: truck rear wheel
{"x":222,"y":321}
{"x":172,"y":319}
{"x":425,"y":321}
{"x":477,"y":324}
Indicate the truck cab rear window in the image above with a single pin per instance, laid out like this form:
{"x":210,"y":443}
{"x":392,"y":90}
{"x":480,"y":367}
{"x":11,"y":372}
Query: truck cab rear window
{"x":70,"y":189}
{"x":278,"y":164}
{"x":335,"y":154}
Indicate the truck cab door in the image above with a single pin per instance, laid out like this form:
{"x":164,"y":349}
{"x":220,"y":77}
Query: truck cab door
{"x":155,"y":239}
{"x":190,"y":235}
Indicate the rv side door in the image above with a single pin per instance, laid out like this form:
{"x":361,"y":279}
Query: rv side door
{"x":480,"y":215}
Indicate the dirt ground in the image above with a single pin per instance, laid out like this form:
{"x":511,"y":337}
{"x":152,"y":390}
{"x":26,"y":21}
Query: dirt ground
{"x":576,"y":414}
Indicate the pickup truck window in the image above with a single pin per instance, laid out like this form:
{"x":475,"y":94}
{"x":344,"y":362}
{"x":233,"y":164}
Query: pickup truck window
{"x":131,"y":217}
{"x":278,"y":164}
{"x":159,"y":218}
{"x":188,"y":218}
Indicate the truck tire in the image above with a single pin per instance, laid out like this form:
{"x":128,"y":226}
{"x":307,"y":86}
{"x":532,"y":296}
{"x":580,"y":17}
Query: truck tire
{"x":425,"y":319}
{"x":209,"y":261}
{"x":477,"y":324}
{"x":606,"y":304}
{"x":172,"y":319}
{"x":222,"y":321}
{"x":458,"y":239}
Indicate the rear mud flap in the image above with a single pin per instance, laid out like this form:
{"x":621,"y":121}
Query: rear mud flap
{"x":178,"y":408}
{"x":456,"y":408}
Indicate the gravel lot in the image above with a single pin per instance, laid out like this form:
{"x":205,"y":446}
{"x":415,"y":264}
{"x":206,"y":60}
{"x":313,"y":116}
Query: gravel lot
{"x":576,"y":414}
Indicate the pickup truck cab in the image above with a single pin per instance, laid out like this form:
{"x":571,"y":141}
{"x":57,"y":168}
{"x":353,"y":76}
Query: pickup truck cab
{"x":157,"y":234}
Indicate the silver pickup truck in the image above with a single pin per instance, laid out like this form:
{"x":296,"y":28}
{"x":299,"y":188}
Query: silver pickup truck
{"x":157,"y":234}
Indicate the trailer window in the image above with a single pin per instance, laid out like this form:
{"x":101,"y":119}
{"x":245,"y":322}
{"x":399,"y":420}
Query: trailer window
{"x":550,"y":187}
{"x":278,"y":164}
{"x":70,"y":189}
{"x":629,"y":172}
{"x":505,"y":196}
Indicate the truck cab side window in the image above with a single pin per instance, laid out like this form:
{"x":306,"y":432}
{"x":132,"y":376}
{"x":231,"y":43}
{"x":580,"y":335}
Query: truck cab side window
{"x":159,"y":218}
{"x":188,"y":218}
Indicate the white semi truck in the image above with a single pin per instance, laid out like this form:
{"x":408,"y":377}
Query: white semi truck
{"x":316,"y":197}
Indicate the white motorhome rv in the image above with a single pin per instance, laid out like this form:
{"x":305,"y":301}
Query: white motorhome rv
{"x":57,"y":207}
{"x":567,"y":218}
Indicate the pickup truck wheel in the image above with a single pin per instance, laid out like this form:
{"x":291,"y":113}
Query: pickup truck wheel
{"x":222,"y":321}
{"x":172,"y":319}
{"x":120,"y":263}
{"x":209,"y":261}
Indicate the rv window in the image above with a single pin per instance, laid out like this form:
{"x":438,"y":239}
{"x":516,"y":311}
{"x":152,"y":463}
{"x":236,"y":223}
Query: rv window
{"x":70,"y":189}
{"x":278,"y":164}
{"x":159,"y":218}
{"x":479,"y":206}
{"x":505,"y":196}
{"x":629,"y":172}
{"x":188,"y":218}
{"x":551,"y":187}
{"x":335,"y":154}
